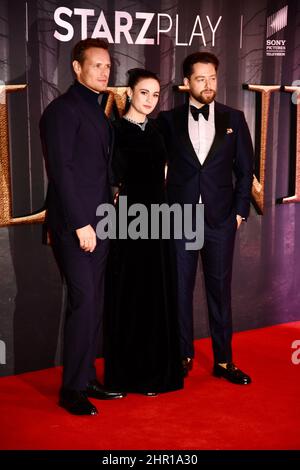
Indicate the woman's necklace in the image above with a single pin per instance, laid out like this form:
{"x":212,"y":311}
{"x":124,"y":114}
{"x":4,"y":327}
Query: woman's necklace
{"x":142,"y":125}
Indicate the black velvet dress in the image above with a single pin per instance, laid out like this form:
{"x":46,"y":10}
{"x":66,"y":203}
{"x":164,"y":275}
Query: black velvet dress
{"x":141,"y":331}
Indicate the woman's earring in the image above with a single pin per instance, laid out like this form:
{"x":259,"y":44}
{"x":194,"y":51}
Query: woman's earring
{"x":129,"y":99}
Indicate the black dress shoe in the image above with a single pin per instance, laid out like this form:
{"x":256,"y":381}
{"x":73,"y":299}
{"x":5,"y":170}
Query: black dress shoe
{"x":76,"y":403}
{"x":187,"y":365}
{"x":231,"y":373}
{"x":96,"y":390}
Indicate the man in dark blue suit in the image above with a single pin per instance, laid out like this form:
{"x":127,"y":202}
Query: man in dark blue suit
{"x":207,"y":143}
{"x":77,"y":138}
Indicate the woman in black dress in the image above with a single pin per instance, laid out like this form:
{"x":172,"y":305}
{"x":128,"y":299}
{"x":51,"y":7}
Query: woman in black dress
{"x":142,"y":351}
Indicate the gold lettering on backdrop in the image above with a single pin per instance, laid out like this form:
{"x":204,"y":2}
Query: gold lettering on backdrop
{"x":258,"y":186}
{"x":6,"y":217}
{"x":117,"y":95}
{"x":296,"y":196}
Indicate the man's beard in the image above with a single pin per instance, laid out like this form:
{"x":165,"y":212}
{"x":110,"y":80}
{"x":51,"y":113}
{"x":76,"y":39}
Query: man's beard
{"x":201,"y":98}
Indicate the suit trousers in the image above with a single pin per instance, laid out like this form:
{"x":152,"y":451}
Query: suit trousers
{"x":84,"y":274}
{"x":217,"y":257}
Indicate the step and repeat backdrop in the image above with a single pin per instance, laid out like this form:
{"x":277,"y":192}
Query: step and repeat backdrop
{"x":258,"y":45}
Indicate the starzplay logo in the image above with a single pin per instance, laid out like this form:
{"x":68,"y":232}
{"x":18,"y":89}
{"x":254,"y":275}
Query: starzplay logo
{"x":275,"y":23}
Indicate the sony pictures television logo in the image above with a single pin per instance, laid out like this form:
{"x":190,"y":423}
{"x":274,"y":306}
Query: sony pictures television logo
{"x":275,"y":23}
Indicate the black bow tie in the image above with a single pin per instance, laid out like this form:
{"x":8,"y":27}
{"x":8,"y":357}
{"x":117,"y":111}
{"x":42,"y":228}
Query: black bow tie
{"x":196,"y":111}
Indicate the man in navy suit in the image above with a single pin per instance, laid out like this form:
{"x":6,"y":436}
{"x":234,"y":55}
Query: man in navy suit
{"x":207,"y":143}
{"x":77,"y":138}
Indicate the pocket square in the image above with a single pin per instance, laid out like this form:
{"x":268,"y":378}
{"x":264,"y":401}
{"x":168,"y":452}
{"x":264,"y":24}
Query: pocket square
{"x":229,"y":131}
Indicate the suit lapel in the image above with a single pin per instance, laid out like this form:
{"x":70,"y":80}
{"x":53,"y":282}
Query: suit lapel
{"x":182,"y":127}
{"x":221,"y":125}
{"x":110,"y":127}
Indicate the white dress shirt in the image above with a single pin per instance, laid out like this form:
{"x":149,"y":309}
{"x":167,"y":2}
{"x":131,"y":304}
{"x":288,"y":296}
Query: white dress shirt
{"x":202,"y":133}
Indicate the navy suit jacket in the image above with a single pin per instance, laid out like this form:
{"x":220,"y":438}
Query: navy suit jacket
{"x":231,"y":153}
{"x":75,"y":138}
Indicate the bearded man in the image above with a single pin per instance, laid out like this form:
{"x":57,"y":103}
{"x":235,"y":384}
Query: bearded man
{"x":211,"y":158}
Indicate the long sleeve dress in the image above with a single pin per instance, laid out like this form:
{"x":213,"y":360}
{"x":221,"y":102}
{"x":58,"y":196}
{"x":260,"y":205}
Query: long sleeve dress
{"x":141,"y":325}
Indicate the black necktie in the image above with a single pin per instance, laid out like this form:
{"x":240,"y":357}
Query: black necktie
{"x":196,"y":111}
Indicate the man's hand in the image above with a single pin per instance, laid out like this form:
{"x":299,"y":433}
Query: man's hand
{"x":239,"y":220}
{"x":87,"y":238}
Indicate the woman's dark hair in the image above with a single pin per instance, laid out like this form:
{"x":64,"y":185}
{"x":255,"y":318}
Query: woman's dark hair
{"x":196,"y":57}
{"x":135,"y":75}
{"x":79,"y":49}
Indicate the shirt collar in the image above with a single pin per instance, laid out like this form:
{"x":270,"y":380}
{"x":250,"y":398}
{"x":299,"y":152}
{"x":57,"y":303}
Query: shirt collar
{"x":211,"y":112}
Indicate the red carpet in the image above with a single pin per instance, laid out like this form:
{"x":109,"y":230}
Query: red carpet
{"x":209,"y":413}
